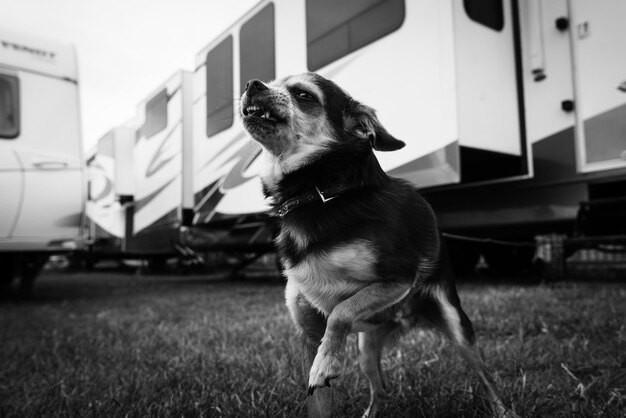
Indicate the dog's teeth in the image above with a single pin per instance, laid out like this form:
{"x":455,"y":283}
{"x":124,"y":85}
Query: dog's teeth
{"x":251,"y":109}
{"x":259,"y":112}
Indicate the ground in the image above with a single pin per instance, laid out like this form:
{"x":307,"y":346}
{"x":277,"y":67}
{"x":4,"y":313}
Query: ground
{"x":111,"y":344}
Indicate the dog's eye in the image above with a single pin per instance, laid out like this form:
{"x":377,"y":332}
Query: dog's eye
{"x":304,"y":95}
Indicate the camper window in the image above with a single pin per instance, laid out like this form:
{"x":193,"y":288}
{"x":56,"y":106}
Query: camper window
{"x":489,"y":13}
{"x":335,"y":29}
{"x":156,"y":114}
{"x":257,"y":52}
{"x":9,"y":106}
{"x":219,"y":87}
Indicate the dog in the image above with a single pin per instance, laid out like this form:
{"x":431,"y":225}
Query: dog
{"x":361,"y":251}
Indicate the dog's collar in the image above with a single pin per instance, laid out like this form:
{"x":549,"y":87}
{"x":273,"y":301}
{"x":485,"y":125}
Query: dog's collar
{"x":323,"y":195}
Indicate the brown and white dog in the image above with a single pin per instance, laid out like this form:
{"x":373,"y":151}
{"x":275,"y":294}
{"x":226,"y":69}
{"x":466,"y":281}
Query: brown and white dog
{"x":361,"y":250}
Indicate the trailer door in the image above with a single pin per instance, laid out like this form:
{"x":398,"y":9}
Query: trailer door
{"x":49,"y":150}
{"x":10,"y":175}
{"x":10,"y":190}
{"x":490,"y":95}
{"x":598,"y":36}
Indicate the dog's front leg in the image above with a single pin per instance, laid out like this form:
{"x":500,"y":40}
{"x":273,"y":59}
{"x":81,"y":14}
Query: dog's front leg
{"x":319,"y":404}
{"x":310,"y":324}
{"x":365,"y":303}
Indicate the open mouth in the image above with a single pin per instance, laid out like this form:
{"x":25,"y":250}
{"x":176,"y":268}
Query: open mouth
{"x":260,"y":112}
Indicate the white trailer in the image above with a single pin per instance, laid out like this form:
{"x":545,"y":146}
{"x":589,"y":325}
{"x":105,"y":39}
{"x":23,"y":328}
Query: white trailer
{"x":136,"y":176}
{"x":571,"y":102}
{"x":278,"y":38}
{"x":41,"y":164}
{"x":111,"y":187}
{"x":513,"y":112}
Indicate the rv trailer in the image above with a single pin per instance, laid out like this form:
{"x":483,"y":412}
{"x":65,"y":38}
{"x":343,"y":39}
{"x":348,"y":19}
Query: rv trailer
{"x":513,"y":112}
{"x":567,"y":88}
{"x":135,"y":206}
{"x":41,"y":163}
{"x":110,"y":187}
{"x":270,"y":42}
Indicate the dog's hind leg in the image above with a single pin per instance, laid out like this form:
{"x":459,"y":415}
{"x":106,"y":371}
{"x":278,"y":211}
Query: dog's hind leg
{"x":458,"y":328}
{"x":371,"y":345}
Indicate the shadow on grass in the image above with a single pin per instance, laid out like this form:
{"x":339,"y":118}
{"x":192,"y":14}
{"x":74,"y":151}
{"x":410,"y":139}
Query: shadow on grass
{"x":63,"y":286}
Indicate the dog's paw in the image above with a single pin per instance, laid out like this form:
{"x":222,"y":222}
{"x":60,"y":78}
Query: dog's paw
{"x":325,"y":368}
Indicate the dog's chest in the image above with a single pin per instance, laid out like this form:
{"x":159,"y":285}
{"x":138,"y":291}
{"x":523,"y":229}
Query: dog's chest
{"x":328,"y":277}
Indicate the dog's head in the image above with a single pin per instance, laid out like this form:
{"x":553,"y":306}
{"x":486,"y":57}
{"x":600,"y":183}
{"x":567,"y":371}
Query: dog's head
{"x":302,"y":116}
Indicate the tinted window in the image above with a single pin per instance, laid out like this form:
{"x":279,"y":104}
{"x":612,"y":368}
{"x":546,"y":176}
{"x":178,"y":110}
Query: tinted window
{"x":337,"y":28}
{"x":486,"y":12}
{"x":257,"y":52}
{"x":156,"y":114}
{"x":9,"y":107}
{"x":219,"y":87}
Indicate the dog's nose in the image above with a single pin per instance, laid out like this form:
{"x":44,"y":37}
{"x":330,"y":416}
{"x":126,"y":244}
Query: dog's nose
{"x":255,"y":86}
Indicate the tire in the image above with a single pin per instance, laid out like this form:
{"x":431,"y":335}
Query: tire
{"x":511,"y":260}
{"x":30,"y":267}
{"x":463,"y":257}
{"x":7,"y":269}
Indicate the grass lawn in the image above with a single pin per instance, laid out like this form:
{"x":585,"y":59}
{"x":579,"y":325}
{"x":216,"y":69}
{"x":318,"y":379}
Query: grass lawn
{"x":114,"y":345}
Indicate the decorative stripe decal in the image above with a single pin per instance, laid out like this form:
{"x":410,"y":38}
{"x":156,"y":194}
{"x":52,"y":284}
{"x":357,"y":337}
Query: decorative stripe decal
{"x":157,"y":162}
{"x":440,"y":167}
{"x":140,"y":204}
{"x":231,"y":143}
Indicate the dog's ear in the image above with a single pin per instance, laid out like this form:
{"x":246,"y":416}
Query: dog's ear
{"x":361,"y":121}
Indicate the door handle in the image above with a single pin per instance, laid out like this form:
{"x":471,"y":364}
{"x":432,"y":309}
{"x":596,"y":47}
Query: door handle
{"x":568,"y":105}
{"x":50,"y":165}
{"x":562,"y":24}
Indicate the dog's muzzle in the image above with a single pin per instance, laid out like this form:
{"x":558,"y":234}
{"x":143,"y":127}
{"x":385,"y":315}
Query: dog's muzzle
{"x":257,"y":103}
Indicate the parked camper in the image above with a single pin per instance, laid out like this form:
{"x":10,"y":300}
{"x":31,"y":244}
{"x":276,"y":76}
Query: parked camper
{"x":278,"y":38}
{"x":111,"y":187}
{"x":512,"y":111}
{"x":41,"y":164}
{"x":568,"y":74}
{"x":135,"y":206}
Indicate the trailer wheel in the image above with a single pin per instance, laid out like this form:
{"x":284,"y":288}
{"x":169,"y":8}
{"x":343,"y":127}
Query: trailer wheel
{"x":510,"y":260}
{"x":7,"y":269}
{"x":463,"y":257}
{"x":29,"y":268}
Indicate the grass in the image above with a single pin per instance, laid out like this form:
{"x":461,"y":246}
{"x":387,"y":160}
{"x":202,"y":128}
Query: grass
{"x":113,"y":345}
